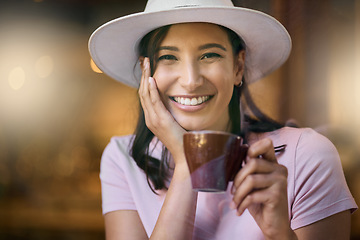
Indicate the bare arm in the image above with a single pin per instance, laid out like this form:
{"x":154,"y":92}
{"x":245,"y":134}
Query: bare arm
{"x":124,"y":224}
{"x":176,"y":219}
{"x":335,"y":227}
{"x":127,"y":225}
{"x":261,"y":188}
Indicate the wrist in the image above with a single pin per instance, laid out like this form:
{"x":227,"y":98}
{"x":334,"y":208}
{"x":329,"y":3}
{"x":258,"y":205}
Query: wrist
{"x":181,"y":177}
{"x":182,"y":169}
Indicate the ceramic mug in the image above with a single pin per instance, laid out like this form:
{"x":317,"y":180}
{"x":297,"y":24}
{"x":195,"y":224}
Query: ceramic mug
{"x":213,"y":158}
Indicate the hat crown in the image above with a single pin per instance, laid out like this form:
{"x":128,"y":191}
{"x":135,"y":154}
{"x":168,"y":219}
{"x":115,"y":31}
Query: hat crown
{"x":163,"y":5}
{"x":268,"y":44}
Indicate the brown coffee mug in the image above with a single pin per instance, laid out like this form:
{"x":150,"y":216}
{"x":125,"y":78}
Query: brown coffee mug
{"x":213,"y":158}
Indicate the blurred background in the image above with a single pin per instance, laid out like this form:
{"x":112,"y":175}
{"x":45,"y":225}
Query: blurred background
{"x":58,"y":112}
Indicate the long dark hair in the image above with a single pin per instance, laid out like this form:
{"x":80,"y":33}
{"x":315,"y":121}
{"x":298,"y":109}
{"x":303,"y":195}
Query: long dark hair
{"x":157,"y":170}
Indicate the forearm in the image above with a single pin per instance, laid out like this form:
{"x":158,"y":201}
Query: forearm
{"x":176,"y":219}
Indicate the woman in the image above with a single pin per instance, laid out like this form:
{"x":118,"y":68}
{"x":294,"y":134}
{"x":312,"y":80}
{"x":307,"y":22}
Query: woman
{"x":195,"y":58}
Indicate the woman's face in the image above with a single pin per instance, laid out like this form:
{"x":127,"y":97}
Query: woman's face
{"x":196,"y":72}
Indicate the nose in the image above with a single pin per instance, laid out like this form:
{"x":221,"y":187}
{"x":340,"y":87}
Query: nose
{"x":190,"y":77}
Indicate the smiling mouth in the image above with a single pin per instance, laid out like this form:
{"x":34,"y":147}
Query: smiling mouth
{"x":194,"y":101}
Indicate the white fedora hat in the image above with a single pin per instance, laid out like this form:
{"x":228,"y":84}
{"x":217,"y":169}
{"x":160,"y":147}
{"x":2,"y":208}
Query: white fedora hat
{"x":114,"y":45}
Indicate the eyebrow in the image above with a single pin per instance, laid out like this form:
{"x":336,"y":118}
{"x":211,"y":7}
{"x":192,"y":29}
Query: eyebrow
{"x":202,"y":47}
{"x":212,"y":45}
{"x":167,"y":48}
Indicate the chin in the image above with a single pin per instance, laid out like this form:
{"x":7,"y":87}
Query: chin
{"x":193,"y":125}
{"x":190,"y":127}
{"x":197,"y":123}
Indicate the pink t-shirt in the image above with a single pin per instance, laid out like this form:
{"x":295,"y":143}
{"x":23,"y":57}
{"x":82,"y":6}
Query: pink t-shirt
{"x":316,"y":187}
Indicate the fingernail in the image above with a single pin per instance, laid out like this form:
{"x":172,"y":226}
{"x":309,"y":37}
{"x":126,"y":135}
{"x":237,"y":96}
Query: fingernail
{"x":151,"y":81}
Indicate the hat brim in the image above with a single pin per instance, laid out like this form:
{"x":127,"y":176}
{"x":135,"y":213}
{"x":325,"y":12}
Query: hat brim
{"x":114,"y":45}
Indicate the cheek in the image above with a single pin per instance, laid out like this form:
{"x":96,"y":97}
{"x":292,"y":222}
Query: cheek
{"x":222,"y":76}
{"x":164,"y":78}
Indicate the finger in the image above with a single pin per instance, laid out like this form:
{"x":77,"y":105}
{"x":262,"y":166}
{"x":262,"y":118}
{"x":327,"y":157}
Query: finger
{"x":270,"y":197}
{"x":156,"y":114}
{"x":144,"y":94}
{"x":155,"y":98}
{"x":159,"y":108}
{"x":264,"y":149}
{"x":253,"y":166}
{"x":143,"y":89}
{"x":258,"y":197}
{"x":251,"y":184}
{"x":145,"y":98}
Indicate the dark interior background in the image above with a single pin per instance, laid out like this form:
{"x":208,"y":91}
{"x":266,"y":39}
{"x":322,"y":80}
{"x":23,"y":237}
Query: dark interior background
{"x":57,"y":114}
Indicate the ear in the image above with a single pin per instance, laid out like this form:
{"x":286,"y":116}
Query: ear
{"x":239,"y":67}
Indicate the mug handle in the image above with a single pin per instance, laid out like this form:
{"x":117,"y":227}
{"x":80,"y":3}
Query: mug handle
{"x":234,"y":166}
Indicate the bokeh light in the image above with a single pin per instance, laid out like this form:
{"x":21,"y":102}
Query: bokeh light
{"x":16,"y":78}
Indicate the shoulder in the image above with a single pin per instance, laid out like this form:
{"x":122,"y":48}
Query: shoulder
{"x":302,"y":140}
{"x":311,"y":145}
{"x":116,"y":151}
{"x":120,"y":143}
{"x":312,"y":140}
{"x":306,"y":150}
{"x":316,"y":183}
{"x":294,"y":134}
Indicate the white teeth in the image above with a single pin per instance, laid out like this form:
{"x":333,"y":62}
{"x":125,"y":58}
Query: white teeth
{"x":191,"y":101}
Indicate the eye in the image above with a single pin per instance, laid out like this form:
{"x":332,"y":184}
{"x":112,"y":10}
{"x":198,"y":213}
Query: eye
{"x":167,"y":57}
{"x":211,"y":55}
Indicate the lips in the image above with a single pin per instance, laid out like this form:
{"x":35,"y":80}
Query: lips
{"x":192,"y":101}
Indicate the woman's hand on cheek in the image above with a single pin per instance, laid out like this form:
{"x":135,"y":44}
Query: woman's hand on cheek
{"x":261,"y":187}
{"x":158,"y":119}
